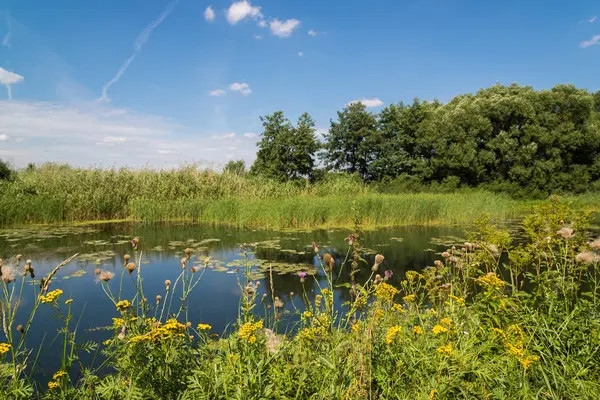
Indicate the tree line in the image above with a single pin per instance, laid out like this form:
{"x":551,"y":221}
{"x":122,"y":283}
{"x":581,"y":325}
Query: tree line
{"x":504,"y":138}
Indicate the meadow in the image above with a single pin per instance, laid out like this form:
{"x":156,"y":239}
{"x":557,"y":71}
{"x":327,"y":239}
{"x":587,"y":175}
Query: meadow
{"x":492,"y":319}
{"x":52,"y":194}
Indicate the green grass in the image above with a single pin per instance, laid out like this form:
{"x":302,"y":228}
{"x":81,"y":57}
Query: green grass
{"x":60,"y":194}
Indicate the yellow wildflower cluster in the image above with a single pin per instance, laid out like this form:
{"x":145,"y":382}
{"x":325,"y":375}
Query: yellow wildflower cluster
{"x":51,"y":296}
{"x":391,"y":334}
{"x":385,"y":292}
{"x":307,"y":314}
{"x":356,"y":326}
{"x":379,"y":313}
{"x":446,"y":321}
{"x":123,"y":305}
{"x":107,"y":342}
{"x":431,"y":311}
{"x":418,"y":330}
{"x":361,"y":301}
{"x":432,"y":394}
{"x":528,"y":361}
{"x":439,"y":329}
{"x":59,"y":374}
{"x":160,"y":332}
{"x":68,"y":301}
{"x":447,"y":349}
{"x":410,"y":298}
{"x":4,"y":348}
{"x":398,"y":308}
{"x":458,"y":300}
{"x":308,"y":334}
{"x":204,"y":327}
{"x":514,"y":340}
{"x":247,"y":331}
{"x":318,"y":299}
{"x":328,"y":295}
{"x":413,"y":276}
{"x":491,"y":280}
{"x":118,"y":322}
{"x":53,"y":385}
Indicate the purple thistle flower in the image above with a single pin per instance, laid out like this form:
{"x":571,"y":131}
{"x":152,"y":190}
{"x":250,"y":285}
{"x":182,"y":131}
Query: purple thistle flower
{"x":351,"y":240}
{"x":302,"y":275}
{"x":388,"y":274}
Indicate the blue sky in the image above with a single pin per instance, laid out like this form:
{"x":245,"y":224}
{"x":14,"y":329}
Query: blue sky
{"x":149,"y":82}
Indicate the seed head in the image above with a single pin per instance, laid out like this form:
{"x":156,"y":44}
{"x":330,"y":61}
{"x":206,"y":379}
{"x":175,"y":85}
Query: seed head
{"x":106,"y":276}
{"x":20,"y":328}
{"x":126,"y":258}
{"x":167,"y":284}
{"x":130,"y":267}
{"x":278,"y":303}
{"x":587,"y":257}
{"x":28,"y":262}
{"x":18,"y":257}
{"x":438,"y":263}
{"x":291,"y":294}
{"x":595,"y":245}
{"x":195,"y":269}
{"x":377,"y":278}
{"x":188,"y":252}
{"x":158,"y":298}
{"x":98,"y":271}
{"x":565,"y":232}
{"x":188,"y":324}
{"x":445,"y":254}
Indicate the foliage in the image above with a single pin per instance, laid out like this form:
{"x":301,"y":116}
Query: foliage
{"x":456,"y":329}
{"x":6,"y":172}
{"x":235,"y":167}
{"x":286,"y":152}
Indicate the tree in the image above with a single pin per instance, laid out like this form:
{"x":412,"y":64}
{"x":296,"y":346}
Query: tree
{"x":286,"y":152}
{"x":6,"y":172}
{"x":235,"y":167}
{"x":349,"y":142}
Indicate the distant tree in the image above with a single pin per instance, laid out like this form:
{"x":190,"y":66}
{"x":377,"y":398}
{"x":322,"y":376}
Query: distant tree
{"x":235,"y":167}
{"x":286,"y":152}
{"x":349,"y":144}
{"x":6,"y":173}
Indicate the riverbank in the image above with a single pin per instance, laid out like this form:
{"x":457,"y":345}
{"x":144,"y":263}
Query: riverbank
{"x":58,"y":194}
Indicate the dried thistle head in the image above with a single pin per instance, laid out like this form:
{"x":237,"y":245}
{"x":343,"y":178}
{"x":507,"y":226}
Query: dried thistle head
{"x":188,"y":324}
{"x":158,"y":298}
{"x":195,"y":269}
{"x":565,"y":232}
{"x":438,"y":263}
{"x":126,"y":258}
{"x":9,"y":274}
{"x":328,"y":259}
{"x":106,"y":276}
{"x":595,"y":244}
{"x":587,"y":257}
{"x":183,"y":262}
{"x":130,"y":267}
{"x":167,"y":284}
{"x":18,"y":257}
{"x":188,"y":253}
{"x":278,"y":303}
{"x":20,"y":328}
{"x":98,"y":271}
{"x":445,"y":254}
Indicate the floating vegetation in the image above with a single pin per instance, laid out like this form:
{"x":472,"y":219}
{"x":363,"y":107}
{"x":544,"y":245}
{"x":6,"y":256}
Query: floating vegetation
{"x":157,"y":248}
{"x":44,"y":233}
{"x":76,"y":274}
{"x":269,"y":244}
{"x":97,"y":257}
{"x":397,"y":239}
{"x":293,"y":251}
{"x":448,"y":241}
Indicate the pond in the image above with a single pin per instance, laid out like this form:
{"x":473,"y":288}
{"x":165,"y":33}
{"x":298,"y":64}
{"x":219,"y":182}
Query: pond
{"x":215,"y":300}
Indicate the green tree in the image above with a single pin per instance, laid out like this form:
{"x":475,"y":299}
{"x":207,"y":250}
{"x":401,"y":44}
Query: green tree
{"x":235,"y":167}
{"x":6,"y":173}
{"x":286,"y":152}
{"x":349,"y":144}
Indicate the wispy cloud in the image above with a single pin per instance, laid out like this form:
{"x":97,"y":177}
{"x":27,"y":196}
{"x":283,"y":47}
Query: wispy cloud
{"x":369,"y":103}
{"x":594,"y":40}
{"x":258,"y":37}
{"x":3,"y":138}
{"x":8,"y":78}
{"x":217,"y":92}
{"x":209,"y":14}
{"x":285,"y":28}
{"x":223,"y":136}
{"x":241,"y":10}
{"x":6,"y":38}
{"x":241,"y":87}
{"x":312,"y":33}
{"x":300,"y":54}
{"x":590,"y":20}
{"x":250,"y":135}
{"x":137,"y":47}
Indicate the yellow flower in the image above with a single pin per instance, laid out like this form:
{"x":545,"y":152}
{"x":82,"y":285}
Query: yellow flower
{"x":50,"y":297}
{"x":69,"y":301}
{"x":356,"y":327}
{"x":391,"y":334}
{"x":204,"y":327}
{"x":379,"y":313}
{"x":398,"y":308}
{"x":413,"y":275}
{"x":447,"y":349}
{"x":446,"y":321}
{"x":459,"y":300}
{"x":4,"y":348}
{"x":418,"y":330}
{"x":410,"y":298}
{"x":307,"y":314}
{"x":318,"y":300}
{"x":247,"y":331}
{"x":118,"y":322}
{"x":514,"y":350}
{"x":385,"y":292}
{"x":491,"y":280}
{"x":107,"y":342}
{"x":123,"y":305}
{"x":528,"y":361}
{"x":432,"y":394}
{"x":134,"y":319}
{"x":439,"y":329}
{"x":53,"y":385}
{"x":59,"y":374}
{"x":308,"y":334}
{"x":431,"y":311}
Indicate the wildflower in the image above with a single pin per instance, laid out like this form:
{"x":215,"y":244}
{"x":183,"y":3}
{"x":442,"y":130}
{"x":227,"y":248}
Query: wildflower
{"x":302,"y":275}
{"x":135,"y":242}
{"x":377,"y":279}
{"x":459,"y":300}
{"x":68,"y":301}
{"x":528,"y":361}
{"x":565,"y":232}
{"x":439,"y":329}
{"x":204,"y":327}
{"x":378,"y":260}
{"x":98,"y":271}
{"x":491,"y":280}
{"x":188,"y":252}
{"x":438,"y":264}
{"x":308,"y":334}
{"x":356,"y":327}
{"x":247,"y":331}
{"x":385,"y":292}
{"x":388,"y":274}
{"x":432,"y":394}
{"x":20,"y":328}
{"x":278,"y":303}
{"x":446,"y":321}
{"x":195,"y":269}
{"x":587,"y":257}
{"x":167,"y":284}
{"x":418,"y":330}
{"x":469,"y":246}
{"x":51,"y":296}
{"x":594,"y":245}
{"x":59,"y":374}
{"x":126,"y":258}
{"x":398,"y":308}
{"x":351,"y":240}
{"x":188,"y":324}
{"x":445,"y":254}
{"x":447,"y":349}
{"x":413,"y":276}
{"x":410,"y":298}
{"x":8,"y":274}
{"x":158,"y":298}
{"x":318,"y":299}
{"x":106,"y":276}
{"x":123,"y":305}
{"x":107,"y":342}
{"x":516,"y":351}
{"x":379,"y":313}
{"x":307,"y":314}
{"x":391,"y":334}
{"x":118,"y":322}
{"x":53,"y":385}
{"x":130,"y":267}
{"x":4,"y":348}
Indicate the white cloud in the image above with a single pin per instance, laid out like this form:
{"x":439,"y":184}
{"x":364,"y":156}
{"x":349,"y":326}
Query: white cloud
{"x":8,"y":78}
{"x":241,"y":87}
{"x":258,"y":37}
{"x":312,"y":33}
{"x":285,"y":28}
{"x":300,"y":54}
{"x":209,"y":14}
{"x":54,"y":132}
{"x":369,"y":103}
{"x":223,"y":136}
{"x":140,"y":41}
{"x":239,"y":11}
{"x":592,"y":20}
{"x":217,"y":92}
{"x":262,"y":23}
{"x":3,"y":138}
{"x":594,"y":40}
{"x":250,"y":135}
{"x":321,"y":132}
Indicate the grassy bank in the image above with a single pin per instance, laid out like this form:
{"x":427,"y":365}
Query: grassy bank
{"x":59,"y":194}
{"x":464,"y":328}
